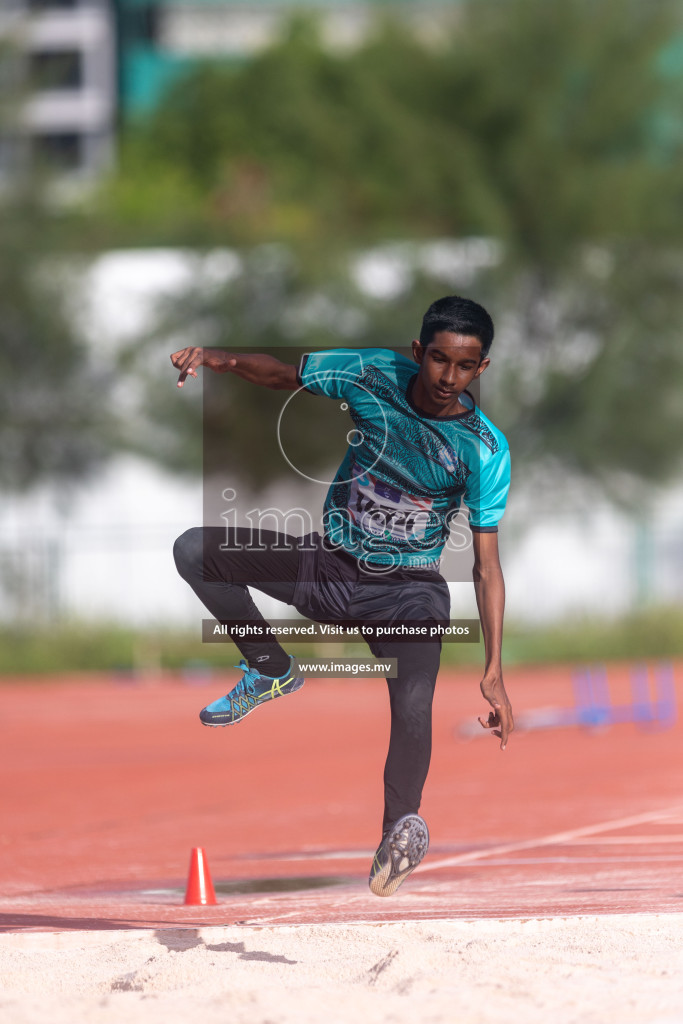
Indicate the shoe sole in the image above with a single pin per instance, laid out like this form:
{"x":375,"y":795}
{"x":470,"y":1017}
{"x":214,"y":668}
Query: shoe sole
{"x":236,"y":721}
{"x":387,"y":880}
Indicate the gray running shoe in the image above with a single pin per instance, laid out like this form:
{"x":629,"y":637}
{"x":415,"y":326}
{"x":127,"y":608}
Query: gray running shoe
{"x":401,"y":850}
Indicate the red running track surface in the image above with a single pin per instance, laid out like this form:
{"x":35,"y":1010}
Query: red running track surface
{"x":106,"y":788}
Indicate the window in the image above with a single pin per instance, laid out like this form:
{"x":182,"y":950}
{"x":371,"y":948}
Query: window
{"x":140,"y":25}
{"x":56,"y":69}
{"x":51,"y":5}
{"x":57,"y":151}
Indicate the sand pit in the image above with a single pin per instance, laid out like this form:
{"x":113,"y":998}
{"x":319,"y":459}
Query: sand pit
{"x":578,"y":970}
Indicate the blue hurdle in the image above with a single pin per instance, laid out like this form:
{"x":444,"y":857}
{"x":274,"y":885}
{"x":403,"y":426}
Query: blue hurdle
{"x":653,"y":698}
{"x":652,"y":707}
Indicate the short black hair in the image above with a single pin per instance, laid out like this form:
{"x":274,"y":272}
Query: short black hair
{"x":461,"y":316}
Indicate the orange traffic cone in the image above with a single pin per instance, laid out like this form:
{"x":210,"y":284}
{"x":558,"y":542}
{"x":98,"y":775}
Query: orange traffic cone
{"x":199,"y":891}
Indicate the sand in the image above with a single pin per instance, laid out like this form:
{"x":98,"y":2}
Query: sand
{"x":576,"y":970}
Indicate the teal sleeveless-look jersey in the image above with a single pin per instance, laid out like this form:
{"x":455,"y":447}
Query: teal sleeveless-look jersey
{"x":405,"y":473}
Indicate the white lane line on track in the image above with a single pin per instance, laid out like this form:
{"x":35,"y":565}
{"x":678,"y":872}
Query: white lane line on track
{"x":673,"y":858}
{"x":653,"y":840}
{"x":329,"y":855}
{"x":555,"y":838}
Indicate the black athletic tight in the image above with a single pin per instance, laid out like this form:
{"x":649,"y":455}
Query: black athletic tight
{"x":220,"y":579}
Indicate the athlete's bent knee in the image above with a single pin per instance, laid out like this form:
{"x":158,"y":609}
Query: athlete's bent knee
{"x":188,"y":551}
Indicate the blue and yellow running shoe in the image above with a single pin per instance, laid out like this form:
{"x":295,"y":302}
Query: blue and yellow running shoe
{"x":402,"y":848}
{"x":252,"y":690}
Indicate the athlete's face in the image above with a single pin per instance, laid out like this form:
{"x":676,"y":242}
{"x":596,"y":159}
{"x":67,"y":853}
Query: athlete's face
{"x":448,"y":365}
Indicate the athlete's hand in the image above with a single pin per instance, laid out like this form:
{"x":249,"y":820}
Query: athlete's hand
{"x":500,"y":720}
{"x":188,"y":359}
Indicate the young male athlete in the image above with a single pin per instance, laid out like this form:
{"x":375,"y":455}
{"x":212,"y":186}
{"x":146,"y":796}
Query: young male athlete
{"x":419,"y":447}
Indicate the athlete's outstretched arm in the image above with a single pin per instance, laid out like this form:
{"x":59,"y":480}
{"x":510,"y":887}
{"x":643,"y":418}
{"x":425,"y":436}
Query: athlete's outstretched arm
{"x":490,"y":590}
{"x":252,"y":366}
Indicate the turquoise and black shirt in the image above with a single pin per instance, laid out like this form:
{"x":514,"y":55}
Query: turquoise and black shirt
{"x":405,"y":473}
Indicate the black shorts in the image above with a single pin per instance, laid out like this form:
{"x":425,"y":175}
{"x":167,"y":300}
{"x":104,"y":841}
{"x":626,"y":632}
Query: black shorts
{"x":332,"y":586}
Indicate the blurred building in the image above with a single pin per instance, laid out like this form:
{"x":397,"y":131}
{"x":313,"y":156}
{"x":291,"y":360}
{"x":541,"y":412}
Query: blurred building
{"x":59,"y":68}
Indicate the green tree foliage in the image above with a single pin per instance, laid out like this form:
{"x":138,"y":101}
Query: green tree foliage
{"x":54,"y":423}
{"x":534,"y":122}
{"x":550,"y":127}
